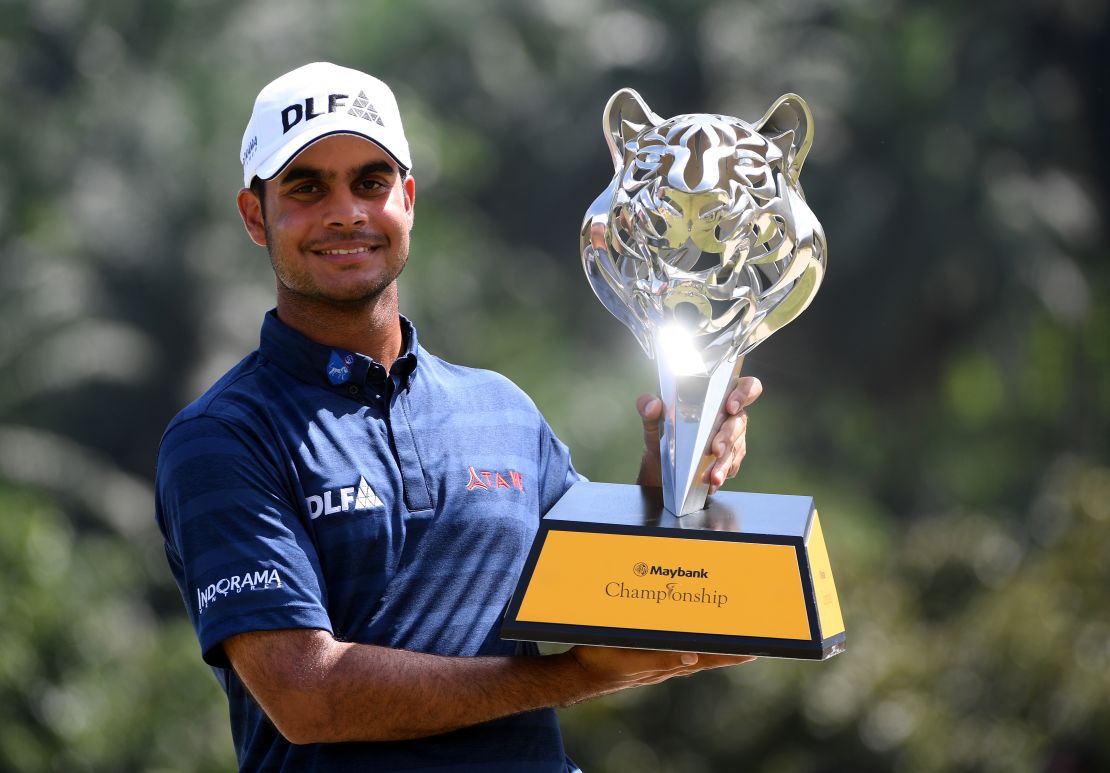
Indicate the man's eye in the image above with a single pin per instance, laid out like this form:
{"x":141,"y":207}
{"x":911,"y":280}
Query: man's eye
{"x":372,"y":185}
{"x":307,"y":188}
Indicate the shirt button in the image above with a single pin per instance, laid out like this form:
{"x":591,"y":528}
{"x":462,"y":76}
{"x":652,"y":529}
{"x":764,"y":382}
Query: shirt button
{"x":352,"y":389}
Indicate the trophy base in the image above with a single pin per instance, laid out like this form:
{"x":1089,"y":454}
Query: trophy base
{"x":748,"y":575}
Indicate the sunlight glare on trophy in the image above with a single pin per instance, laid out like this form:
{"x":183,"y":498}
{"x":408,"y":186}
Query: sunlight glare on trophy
{"x":678,"y":349}
{"x":703,"y":246}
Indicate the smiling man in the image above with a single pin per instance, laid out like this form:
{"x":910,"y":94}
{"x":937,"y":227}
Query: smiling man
{"x":345,"y":576}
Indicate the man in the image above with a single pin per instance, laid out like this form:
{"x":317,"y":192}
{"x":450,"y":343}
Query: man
{"x":344,"y":573}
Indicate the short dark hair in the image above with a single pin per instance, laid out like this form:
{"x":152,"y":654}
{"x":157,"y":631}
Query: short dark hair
{"x":258,"y":188}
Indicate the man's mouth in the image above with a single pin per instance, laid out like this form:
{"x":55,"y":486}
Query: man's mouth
{"x":352,"y":251}
{"x":350,"y":248}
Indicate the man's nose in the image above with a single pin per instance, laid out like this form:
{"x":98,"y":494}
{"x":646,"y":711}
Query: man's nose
{"x":345,"y":211}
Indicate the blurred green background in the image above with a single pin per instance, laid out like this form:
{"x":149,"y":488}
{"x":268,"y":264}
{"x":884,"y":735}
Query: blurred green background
{"x":946,"y":398}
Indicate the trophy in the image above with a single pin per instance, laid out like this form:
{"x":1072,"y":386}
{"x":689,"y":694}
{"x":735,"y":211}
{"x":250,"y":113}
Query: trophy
{"x":703,"y":246}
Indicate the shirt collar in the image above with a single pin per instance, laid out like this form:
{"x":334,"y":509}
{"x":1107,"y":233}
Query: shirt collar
{"x":330,"y":366}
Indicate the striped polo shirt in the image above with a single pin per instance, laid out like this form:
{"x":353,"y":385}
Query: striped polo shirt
{"x":311,"y":488}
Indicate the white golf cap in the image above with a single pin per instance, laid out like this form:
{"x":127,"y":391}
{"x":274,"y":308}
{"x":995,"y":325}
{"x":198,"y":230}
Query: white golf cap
{"x":315,"y":101}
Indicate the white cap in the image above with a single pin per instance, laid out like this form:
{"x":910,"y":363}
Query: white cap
{"x":315,"y":101}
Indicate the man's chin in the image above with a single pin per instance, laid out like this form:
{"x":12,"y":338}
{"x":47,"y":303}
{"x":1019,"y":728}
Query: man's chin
{"x":350,"y":296}
{"x":355,"y":297}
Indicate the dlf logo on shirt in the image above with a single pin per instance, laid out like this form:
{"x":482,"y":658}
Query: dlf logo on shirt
{"x":343,"y":500}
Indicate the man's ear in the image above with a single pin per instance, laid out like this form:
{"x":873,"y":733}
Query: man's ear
{"x":250,"y":209}
{"x":410,"y":191}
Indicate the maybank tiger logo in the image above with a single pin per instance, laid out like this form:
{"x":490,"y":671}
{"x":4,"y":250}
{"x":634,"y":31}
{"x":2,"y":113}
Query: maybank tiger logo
{"x":643,"y":570}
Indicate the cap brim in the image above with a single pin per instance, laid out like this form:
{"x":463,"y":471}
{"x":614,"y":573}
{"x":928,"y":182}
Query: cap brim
{"x":284,"y":155}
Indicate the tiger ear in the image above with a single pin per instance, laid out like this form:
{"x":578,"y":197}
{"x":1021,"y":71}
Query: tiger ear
{"x":626,"y":114}
{"x":789,"y":125}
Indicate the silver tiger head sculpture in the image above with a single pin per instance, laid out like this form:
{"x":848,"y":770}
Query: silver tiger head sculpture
{"x":703,"y":246}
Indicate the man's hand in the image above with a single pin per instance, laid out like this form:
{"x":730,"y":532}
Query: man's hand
{"x":729,"y":445}
{"x":611,"y":669}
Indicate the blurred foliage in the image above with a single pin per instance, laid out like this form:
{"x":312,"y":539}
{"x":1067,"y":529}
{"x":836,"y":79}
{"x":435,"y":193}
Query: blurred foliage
{"x":946,"y":399}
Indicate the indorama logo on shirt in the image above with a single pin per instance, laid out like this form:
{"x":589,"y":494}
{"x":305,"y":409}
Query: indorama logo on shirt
{"x":263,"y":579}
{"x":342,"y":500}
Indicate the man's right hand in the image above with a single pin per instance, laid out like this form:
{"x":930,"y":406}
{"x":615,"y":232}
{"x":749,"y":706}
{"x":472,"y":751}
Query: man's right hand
{"x":609,"y":669}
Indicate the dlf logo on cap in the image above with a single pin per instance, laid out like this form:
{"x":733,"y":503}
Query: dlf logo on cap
{"x":313,"y":102}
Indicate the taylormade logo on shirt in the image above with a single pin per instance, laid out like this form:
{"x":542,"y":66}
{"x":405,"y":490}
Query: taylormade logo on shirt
{"x":360,"y":497}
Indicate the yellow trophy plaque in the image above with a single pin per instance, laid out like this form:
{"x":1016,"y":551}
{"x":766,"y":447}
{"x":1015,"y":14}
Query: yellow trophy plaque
{"x":749,"y":574}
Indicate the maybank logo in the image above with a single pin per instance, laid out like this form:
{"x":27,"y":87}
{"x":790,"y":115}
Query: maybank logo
{"x":346,"y":499}
{"x":671,"y":592}
{"x":642,"y":570}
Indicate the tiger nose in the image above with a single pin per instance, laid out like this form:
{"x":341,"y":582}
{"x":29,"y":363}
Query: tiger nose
{"x":693,"y":217}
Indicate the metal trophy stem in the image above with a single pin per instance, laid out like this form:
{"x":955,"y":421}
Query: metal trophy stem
{"x":689,"y":424}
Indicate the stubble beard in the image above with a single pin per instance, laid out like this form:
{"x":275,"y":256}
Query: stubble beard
{"x":308,"y":290}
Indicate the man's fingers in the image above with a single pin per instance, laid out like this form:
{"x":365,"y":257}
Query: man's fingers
{"x":642,"y":665}
{"x":730,"y":445}
{"x":747,"y":391}
{"x":729,"y":440}
{"x":704,"y":663}
{"x":700,"y":660}
{"x":611,"y":669}
{"x":649,"y":407}
{"x":721,"y":661}
{"x":629,"y":663}
{"x":731,"y":432}
{"x":727,"y":467}
{"x":738,"y":457}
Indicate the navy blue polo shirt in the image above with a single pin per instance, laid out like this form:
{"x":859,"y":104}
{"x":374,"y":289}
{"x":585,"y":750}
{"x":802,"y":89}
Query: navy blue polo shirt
{"x":309,"y":488}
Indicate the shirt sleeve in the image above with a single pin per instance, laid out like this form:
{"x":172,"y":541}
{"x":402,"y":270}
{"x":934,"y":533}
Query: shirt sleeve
{"x":236,"y":541}
{"x":557,"y":473}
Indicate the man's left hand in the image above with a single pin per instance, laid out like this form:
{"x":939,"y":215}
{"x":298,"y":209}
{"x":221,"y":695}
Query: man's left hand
{"x":728,"y":447}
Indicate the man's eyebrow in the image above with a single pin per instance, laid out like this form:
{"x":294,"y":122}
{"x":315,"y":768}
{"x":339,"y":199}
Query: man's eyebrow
{"x":302,"y":172}
{"x":375,"y":167}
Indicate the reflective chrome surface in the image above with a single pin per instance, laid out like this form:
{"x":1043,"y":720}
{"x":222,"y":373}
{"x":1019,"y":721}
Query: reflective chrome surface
{"x":703,"y":246}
